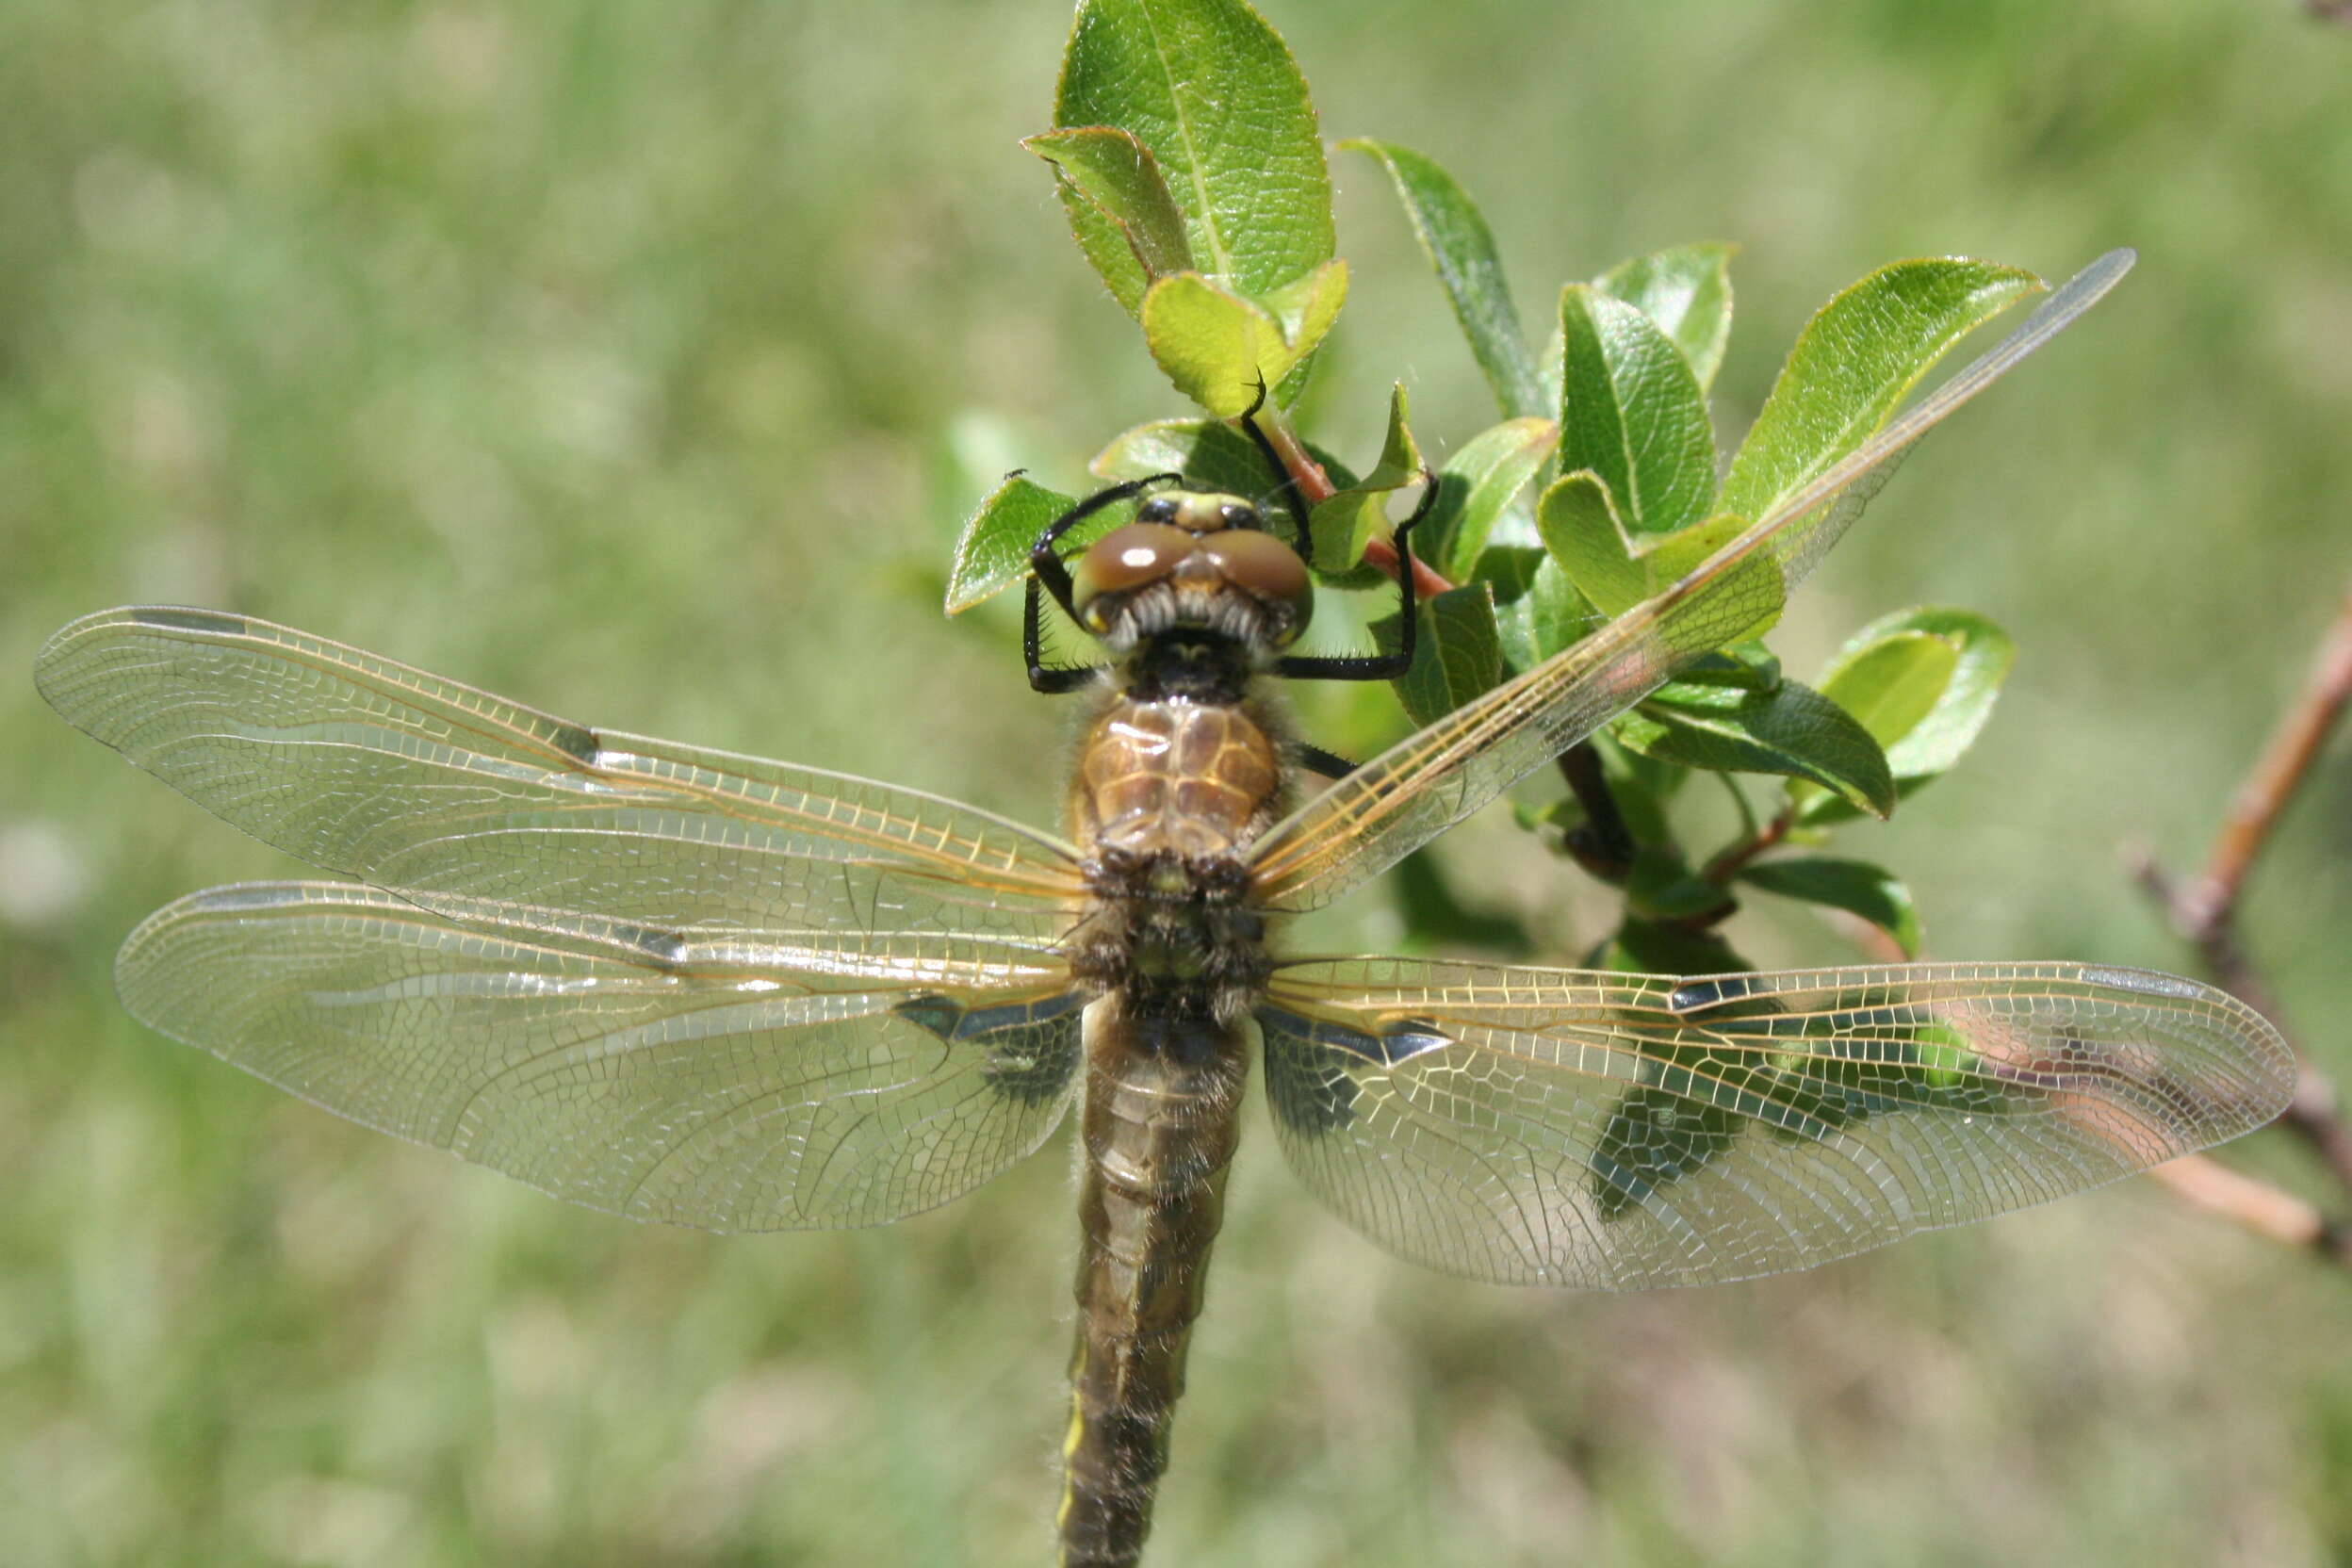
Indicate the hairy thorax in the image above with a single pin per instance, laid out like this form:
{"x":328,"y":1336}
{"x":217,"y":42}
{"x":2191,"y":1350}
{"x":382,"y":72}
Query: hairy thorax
{"x":1170,"y":792}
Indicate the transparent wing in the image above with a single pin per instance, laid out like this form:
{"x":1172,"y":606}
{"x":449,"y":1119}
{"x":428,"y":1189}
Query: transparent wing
{"x":363,"y":766}
{"x":1613,"y":1131}
{"x":1427,"y":782}
{"x":731,"y":1084}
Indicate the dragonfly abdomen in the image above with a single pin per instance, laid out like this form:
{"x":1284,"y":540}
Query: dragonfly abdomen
{"x":1159,"y":1127}
{"x":1179,"y":774}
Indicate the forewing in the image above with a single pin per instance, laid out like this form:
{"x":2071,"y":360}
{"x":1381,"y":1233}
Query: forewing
{"x":730,"y":1085}
{"x":1428,"y":781}
{"x":366,"y":767}
{"x":1613,"y":1131}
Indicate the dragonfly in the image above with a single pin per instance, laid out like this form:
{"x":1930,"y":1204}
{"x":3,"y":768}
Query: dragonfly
{"x":707,"y":990}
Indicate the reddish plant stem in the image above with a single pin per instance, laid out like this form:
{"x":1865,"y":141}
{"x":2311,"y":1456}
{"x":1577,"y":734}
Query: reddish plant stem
{"x":2264,"y":1209}
{"x":2204,"y":911}
{"x":1734,"y":859}
{"x":2316,"y":1114}
{"x":2209,"y":902}
{"x":1316,"y":487}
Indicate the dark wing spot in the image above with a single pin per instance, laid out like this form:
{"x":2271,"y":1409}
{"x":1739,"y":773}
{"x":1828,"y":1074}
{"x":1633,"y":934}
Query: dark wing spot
{"x":663,"y":949}
{"x":935,"y":1014}
{"x":579,"y":743}
{"x":1402,"y":1042}
{"x":1697,"y":996}
{"x":1032,"y":1047}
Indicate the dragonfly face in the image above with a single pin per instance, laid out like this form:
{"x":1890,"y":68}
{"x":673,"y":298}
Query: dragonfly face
{"x":1199,"y":561}
{"x":714,"y":990}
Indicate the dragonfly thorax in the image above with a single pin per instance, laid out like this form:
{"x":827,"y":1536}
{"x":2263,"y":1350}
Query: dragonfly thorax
{"x":1196,"y":562}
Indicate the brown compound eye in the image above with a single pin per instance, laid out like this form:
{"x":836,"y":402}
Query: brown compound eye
{"x":1266,"y":569}
{"x":1124,"y":560}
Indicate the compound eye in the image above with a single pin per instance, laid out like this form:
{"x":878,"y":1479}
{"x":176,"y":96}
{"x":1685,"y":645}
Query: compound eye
{"x":1159,"y":509}
{"x":1240,"y":515}
{"x":1267,"y":570}
{"x":1124,"y":560}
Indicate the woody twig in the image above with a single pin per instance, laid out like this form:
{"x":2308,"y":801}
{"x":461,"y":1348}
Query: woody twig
{"x":2203,"y":911}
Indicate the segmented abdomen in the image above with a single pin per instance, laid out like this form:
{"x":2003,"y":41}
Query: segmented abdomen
{"x":1160,"y":1122}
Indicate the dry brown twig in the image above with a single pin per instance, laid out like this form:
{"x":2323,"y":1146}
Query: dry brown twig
{"x":2203,"y":911}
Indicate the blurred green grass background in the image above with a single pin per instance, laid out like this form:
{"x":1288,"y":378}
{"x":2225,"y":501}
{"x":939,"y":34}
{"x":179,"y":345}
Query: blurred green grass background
{"x":640,"y":361}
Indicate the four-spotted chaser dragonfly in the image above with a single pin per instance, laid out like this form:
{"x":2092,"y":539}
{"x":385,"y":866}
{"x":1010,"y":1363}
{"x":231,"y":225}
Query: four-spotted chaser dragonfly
{"x":712,"y":990}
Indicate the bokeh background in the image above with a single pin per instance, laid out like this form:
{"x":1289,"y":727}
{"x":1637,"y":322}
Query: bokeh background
{"x":641,"y":361}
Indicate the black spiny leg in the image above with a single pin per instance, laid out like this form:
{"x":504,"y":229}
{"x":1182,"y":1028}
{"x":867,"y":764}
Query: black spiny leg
{"x":1316,"y":760}
{"x":1046,"y":570}
{"x":1052,"y":680}
{"x":1377,"y":666}
{"x":1283,"y":479}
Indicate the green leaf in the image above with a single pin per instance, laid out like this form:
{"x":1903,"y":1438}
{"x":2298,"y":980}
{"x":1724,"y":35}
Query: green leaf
{"x":1855,"y":885}
{"x":1218,"y":348}
{"x":1349,"y":520}
{"x":1686,"y":290}
{"x":1459,"y":654}
{"x":1580,"y":526}
{"x":1952,"y":726}
{"x":1640,"y":946}
{"x":1853,"y":365}
{"x":1743,"y":667}
{"x":1475,"y":487}
{"x":1662,"y":888}
{"x":1631,"y":412}
{"x":1307,"y":306}
{"x":1892,"y":682}
{"x":1537,"y":609}
{"x":1923,"y":681}
{"x":1617,"y":570}
{"x":1791,"y":729}
{"x":1461,"y":251}
{"x":1658,"y":1136}
{"x":1118,"y":174}
{"x":1213,"y":344}
{"x":1434,"y":912}
{"x":1797,"y":1076}
{"x":1211,"y":93}
{"x":1642,"y":788}
{"x":1680,"y":1116}
{"x":994,"y":552}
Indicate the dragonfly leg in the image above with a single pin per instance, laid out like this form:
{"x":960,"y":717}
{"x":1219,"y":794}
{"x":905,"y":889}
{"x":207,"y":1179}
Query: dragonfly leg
{"x":1047,"y":571}
{"x":1051,"y":679}
{"x":1378,"y":666}
{"x":1047,"y":568}
{"x":1283,"y":480}
{"x":1317,"y":760}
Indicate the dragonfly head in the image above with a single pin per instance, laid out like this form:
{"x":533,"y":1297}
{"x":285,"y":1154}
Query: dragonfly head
{"x":1193,"y":560}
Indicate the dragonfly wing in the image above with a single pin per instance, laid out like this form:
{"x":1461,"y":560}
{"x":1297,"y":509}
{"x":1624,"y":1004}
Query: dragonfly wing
{"x":1615,"y":1131}
{"x":1428,"y":781}
{"x":366,"y":767}
{"x":735,"y":1085}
